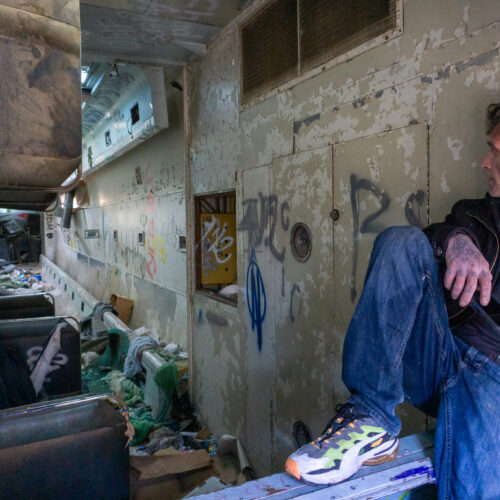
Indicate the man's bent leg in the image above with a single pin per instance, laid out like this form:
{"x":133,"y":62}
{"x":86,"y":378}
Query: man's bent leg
{"x":398,"y":345}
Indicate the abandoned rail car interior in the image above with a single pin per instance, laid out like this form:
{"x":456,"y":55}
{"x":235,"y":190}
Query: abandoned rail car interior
{"x":224,"y":270}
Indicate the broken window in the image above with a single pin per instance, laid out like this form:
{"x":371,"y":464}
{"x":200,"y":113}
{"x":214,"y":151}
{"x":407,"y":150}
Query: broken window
{"x":215,"y":248}
{"x":287,"y":38}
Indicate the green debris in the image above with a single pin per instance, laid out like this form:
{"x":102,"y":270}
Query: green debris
{"x":142,"y":420}
{"x":114,"y":356}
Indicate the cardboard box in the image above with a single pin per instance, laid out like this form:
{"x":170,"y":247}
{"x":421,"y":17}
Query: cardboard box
{"x":123,"y":307}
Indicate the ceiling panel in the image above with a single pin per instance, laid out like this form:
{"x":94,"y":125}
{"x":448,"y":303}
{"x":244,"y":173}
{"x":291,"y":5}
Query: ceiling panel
{"x":166,"y":32}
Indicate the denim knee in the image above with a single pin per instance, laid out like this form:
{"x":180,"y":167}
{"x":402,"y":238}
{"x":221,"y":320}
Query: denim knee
{"x":407,"y":240}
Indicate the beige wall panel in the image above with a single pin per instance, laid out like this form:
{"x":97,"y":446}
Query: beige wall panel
{"x":261,"y":360}
{"x":304,"y":298}
{"x":220,"y":367}
{"x":480,"y":13}
{"x":215,"y":143}
{"x":458,"y":140}
{"x":382,"y":177}
{"x":266,"y":131}
{"x":428,"y":44}
{"x":379,"y":181}
{"x":393,"y":108}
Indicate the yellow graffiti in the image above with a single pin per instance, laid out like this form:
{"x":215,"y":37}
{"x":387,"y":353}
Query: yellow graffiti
{"x":158,"y":245}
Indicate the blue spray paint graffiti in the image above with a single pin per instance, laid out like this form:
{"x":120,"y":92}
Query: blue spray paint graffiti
{"x":256,"y":297}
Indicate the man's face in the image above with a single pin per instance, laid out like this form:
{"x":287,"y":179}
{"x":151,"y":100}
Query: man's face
{"x":491,"y":162}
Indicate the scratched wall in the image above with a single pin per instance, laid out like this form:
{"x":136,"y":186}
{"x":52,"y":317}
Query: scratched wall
{"x":142,"y":192}
{"x":393,"y":136}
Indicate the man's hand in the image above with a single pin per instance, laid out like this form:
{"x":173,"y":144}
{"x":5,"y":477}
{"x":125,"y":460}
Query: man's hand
{"x":466,"y":269}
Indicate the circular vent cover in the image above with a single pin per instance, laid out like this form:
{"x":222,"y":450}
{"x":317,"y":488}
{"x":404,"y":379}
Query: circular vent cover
{"x":301,"y":241}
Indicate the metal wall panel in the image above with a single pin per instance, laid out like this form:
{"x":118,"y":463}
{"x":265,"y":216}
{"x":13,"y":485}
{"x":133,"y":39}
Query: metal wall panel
{"x":40,"y":138}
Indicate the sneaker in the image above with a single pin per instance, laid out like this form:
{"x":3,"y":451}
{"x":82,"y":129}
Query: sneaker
{"x":351,"y":439}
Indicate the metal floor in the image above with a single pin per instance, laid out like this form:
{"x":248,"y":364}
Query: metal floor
{"x":410,"y":476}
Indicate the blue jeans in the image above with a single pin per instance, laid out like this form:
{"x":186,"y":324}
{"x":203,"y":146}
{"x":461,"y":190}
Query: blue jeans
{"x":399,"y":347}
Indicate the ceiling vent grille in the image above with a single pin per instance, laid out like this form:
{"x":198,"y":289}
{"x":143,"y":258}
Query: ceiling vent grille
{"x":269,"y":48}
{"x":329,"y":28}
{"x":287,"y":38}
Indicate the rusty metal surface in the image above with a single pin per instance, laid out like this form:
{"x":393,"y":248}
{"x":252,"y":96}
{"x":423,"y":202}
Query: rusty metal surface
{"x":157,"y":31}
{"x":60,"y":10}
{"x":40,"y":137}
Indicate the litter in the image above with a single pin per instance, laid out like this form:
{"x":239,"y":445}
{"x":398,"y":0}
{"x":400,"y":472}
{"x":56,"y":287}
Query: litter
{"x":132,"y":364}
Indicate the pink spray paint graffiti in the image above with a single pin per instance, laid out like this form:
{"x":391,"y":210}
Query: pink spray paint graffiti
{"x":151,"y":266}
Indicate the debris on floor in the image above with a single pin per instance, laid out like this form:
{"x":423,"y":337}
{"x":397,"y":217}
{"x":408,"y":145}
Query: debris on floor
{"x":16,"y":280}
{"x":170,"y":454}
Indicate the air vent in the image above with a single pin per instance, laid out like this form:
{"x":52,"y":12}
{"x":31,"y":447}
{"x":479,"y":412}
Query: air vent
{"x":182,"y":243}
{"x":134,"y":114}
{"x":288,"y":38}
{"x":269,"y":48}
{"x":138,"y":175}
{"x":329,"y":28}
{"x":91,"y":234}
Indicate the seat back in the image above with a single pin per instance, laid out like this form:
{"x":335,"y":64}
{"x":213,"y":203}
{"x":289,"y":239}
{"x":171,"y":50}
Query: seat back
{"x":26,"y":306}
{"x":73,"y":448}
{"x":28,"y":336}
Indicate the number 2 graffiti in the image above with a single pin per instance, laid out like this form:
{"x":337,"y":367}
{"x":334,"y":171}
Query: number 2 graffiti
{"x":369,"y":225}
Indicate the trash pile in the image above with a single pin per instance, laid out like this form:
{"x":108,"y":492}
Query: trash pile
{"x":170,"y":453}
{"x":20,"y":281}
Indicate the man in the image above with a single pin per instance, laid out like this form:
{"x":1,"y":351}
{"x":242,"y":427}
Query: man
{"x":410,"y":340}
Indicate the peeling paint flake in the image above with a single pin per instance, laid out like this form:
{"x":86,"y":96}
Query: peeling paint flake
{"x":407,"y":143}
{"x":455,"y":146}
{"x":445,"y":188}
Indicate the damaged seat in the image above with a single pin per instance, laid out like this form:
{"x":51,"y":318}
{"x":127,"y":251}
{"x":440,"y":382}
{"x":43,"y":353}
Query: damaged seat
{"x":73,"y":448}
{"x":26,"y":306}
{"x":28,"y":337}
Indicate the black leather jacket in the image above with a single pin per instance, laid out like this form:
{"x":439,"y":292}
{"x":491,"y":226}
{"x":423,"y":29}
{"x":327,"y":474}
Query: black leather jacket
{"x":480,"y":220}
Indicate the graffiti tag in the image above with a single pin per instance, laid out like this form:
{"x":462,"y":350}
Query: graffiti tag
{"x":216,"y":241}
{"x":256,"y":297}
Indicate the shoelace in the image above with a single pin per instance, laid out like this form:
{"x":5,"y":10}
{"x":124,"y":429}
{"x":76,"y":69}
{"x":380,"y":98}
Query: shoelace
{"x":344,"y":418}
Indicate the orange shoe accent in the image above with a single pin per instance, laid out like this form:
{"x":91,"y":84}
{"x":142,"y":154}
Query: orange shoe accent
{"x":377,"y":442}
{"x":384,"y":458}
{"x":292,"y":468}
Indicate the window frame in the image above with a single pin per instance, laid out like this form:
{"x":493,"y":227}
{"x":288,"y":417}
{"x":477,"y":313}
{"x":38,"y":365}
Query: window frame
{"x":198,"y":287}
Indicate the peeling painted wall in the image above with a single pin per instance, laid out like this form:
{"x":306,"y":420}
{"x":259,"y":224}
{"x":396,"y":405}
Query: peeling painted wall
{"x":141,"y":192}
{"x":392,"y":136}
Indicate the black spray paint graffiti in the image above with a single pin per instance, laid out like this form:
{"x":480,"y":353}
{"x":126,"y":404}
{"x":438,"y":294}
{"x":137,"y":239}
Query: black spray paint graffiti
{"x":255,"y":225}
{"x":259,"y":214}
{"x":49,"y":221}
{"x":413,"y":208}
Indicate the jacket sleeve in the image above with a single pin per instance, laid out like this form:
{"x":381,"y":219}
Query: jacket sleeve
{"x":439,"y":234}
